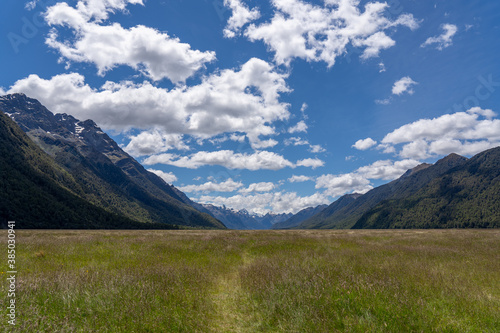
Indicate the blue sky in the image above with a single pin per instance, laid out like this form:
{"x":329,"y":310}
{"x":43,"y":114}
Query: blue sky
{"x":266,"y":105}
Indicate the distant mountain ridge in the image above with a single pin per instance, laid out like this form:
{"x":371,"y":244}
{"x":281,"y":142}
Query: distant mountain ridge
{"x":242,"y":220}
{"x":445,"y":194}
{"x":319,"y":218}
{"x":298,"y":218}
{"x":105,"y":175}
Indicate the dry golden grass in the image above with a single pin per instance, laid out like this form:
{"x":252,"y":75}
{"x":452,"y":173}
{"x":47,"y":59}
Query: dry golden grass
{"x":257,"y":281}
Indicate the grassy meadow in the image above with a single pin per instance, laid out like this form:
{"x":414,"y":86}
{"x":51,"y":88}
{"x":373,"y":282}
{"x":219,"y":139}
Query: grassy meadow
{"x":255,"y":281}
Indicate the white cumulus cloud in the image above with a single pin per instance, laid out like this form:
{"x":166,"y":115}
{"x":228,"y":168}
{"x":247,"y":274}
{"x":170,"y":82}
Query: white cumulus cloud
{"x":257,"y":161}
{"x":445,"y":39}
{"x":241,"y":15}
{"x":296,"y":141}
{"x":258,"y":187}
{"x":154,"y":141}
{"x":364,"y":144}
{"x":260,"y":160}
{"x":403,"y":85}
{"x":301,"y":126}
{"x":316,"y":149}
{"x":168,"y":177}
{"x":228,"y":185}
{"x":387,"y":169}
{"x":359,"y":180}
{"x":299,"y":179}
{"x":374,"y":44}
{"x":30,"y":5}
{"x":147,"y":50}
{"x":464,"y":133}
{"x":311,"y":163}
{"x":337,"y":185}
{"x":323,"y":32}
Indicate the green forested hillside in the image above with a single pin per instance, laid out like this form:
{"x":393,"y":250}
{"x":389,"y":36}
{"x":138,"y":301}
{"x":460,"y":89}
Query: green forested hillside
{"x":453,"y":192}
{"x":34,"y":190}
{"x":101,"y":172}
{"x":467,"y":196}
{"x":321,"y":220}
{"x":344,"y":216}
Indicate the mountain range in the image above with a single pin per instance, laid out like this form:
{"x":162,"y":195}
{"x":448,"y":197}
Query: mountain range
{"x":297,"y":219}
{"x":242,"y":220}
{"x":93,"y":168}
{"x":78,"y":158}
{"x":59,"y":172}
{"x":454,"y":192}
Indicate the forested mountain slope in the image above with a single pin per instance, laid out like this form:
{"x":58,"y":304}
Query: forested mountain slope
{"x":103,"y":173}
{"x":467,"y":196}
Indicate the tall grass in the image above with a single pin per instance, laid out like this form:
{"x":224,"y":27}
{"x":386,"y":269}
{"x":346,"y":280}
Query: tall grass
{"x":256,"y":281}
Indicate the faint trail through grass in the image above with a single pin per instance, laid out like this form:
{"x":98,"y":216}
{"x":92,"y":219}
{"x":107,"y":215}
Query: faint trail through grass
{"x":227,"y":296}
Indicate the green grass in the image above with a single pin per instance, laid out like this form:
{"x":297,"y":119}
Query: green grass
{"x":256,"y":281}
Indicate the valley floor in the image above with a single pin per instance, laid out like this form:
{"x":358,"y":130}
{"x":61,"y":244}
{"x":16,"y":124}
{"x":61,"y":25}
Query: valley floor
{"x":255,"y":281}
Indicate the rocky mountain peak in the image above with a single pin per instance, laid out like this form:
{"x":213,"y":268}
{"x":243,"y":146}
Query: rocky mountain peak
{"x":353,"y":195}
{"x":416,"y":169}
{"x":104,"y":174}
{"x":452,"y":159}
{"x":36,"y":119}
